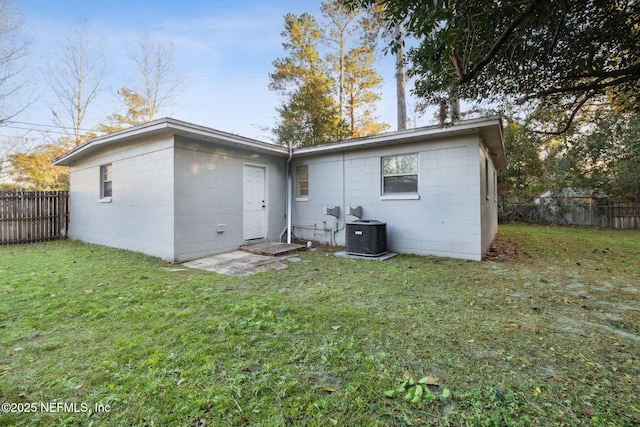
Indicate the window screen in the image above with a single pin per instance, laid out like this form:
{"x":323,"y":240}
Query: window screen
{"x":400,"y":174}
{"x":302,"y":181}
{"x":105,"y":181}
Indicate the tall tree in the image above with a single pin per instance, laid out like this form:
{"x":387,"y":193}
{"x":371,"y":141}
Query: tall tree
{"x":159,"y":81}
{"x":525,"y":176}
{"x":161,"y":78}
{"x":137,"y":113}
{"x":401,"y":77}
{"x":340,"y":30}
{"x":76,"y":80}
{"x":559,"y":55}
{"x":13,"y":47}
{"x":310,"y":117}
{"x":605,"y":157}
{"x":309,"y":114}
{"x":352,"y":35}
{"x":361,"y":81}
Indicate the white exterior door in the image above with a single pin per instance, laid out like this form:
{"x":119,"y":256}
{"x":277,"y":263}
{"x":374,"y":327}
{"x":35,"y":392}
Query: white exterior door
{"x":255,"y":206}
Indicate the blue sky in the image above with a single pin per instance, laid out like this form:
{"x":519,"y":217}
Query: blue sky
{"x":225,"y":50}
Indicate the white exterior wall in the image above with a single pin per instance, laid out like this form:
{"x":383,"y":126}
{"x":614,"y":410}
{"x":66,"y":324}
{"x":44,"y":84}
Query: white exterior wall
{"x":209,"y":191}
{"x":171,"y":193}
{"x":140,"y":214}
{"x":489,"y":199}
{"x":444,"y":221}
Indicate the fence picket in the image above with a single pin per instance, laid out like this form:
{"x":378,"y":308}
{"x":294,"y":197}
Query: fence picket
{"x":33,"y":216}
{"x":620,"y":214}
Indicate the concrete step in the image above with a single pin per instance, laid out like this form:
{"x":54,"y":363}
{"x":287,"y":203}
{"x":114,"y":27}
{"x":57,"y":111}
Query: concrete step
{"x":272,"y":248}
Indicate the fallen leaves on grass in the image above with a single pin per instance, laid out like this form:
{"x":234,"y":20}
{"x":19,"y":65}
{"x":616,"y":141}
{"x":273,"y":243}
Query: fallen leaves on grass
{"x":501,"y":250}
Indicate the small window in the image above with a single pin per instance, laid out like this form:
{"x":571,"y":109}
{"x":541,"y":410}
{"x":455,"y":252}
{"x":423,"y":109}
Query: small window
{"x":302,"y":182}
{"x":486,"y":178}
{"x":400,"y":174}
{"x":105,"y":182}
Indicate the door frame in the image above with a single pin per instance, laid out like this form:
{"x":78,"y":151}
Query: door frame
{"x":265,"y":169}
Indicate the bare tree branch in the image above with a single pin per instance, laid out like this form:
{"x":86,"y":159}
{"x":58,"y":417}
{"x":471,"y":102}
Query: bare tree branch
{"x":76,"y":80}
{"x":13,"y":47}
{"x":161,"y":79}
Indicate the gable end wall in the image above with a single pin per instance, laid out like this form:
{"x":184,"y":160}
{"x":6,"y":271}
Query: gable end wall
{"x":140,"y":214}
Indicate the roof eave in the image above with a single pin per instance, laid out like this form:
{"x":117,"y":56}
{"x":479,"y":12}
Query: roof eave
{"x":92,"y":145}
{"x":171,"y":127}
{"x":489,"y":129}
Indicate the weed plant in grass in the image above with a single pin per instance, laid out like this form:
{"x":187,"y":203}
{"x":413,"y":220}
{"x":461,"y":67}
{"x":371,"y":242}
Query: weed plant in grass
{"x":551,"y":337}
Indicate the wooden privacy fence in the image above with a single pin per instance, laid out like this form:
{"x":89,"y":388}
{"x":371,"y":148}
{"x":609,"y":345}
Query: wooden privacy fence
{"x":623,"y":215}
{"x":33,"y":216}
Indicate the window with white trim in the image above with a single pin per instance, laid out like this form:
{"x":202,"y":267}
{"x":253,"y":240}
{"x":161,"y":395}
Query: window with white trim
{"x":486,"y":178}
{"x":105,"y":182}
{"x":302,"y":182}
{"x":400,"y":174}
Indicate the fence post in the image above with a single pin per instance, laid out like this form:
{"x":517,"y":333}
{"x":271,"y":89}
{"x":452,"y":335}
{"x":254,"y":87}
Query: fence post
{"x":616,"y":213}
{"x":33,"y":216}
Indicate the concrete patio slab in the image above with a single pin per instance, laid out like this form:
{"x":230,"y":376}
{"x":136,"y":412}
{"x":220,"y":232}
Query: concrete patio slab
{"x":238,"y":263}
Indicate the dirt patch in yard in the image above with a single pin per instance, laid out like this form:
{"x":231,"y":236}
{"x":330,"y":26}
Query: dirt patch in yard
{"x":501,"y":250}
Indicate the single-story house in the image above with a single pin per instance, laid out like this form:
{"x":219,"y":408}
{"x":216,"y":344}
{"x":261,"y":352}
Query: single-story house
{"x":568,"y":196}
{"x":180,"y":191}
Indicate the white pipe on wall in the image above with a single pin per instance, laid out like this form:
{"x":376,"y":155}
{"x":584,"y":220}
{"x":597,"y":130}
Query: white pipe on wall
{"x":289,"y":192}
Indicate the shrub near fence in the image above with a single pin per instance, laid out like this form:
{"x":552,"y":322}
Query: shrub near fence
{"x":33,"y":216}
{"x":623,"y":215}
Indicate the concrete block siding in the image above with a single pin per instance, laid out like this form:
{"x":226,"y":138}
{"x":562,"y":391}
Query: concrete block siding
{"x":174,"y":183}
{"x":169,"y":196}
{"x":139,"y":216}
{"x":444,"y":221}
{"x":209,"y":182}
{"x":488,"y":199}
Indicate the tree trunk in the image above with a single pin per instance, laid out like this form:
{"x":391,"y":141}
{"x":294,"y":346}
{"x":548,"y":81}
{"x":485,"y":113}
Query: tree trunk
{"x":401,"y":77}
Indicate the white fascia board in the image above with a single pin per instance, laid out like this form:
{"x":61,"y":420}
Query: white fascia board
{"x":109,"y":139}
{"x":171,"y":127}
{"x":490,"y":129}
{"x":208,"y":134}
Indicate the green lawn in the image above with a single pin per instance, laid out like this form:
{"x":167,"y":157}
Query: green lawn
{"x":549,"y":338}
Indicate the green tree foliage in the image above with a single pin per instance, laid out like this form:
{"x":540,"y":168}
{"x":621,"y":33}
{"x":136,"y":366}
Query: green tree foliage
{"x":34,"y":170}
{"x":352,"y":36}
{"x":137,"y":112}
{"x":310,"y":117}
{"x":341,"y":29}
{"x":525,"y":176}
{"x":360,"y":81}
{"x":559,"y":55}
{"x":605,"y":158}
{"x":309,"y":114}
